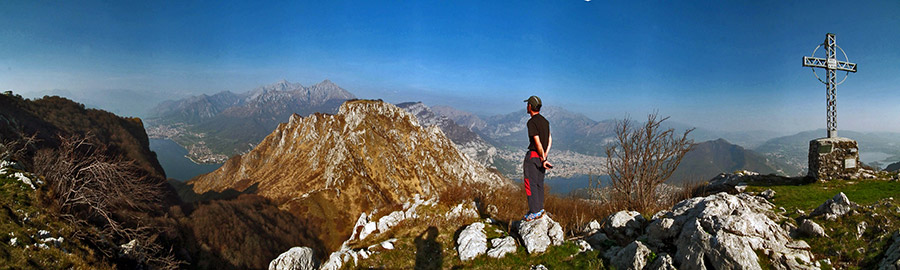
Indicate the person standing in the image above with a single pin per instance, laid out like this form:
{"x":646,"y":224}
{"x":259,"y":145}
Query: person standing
{"x":536,"y":165}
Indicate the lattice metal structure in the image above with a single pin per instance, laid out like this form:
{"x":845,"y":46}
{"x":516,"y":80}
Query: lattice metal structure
{"x":831,"y":66}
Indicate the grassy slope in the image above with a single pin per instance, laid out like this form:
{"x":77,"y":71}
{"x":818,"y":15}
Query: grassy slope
{"x":18,"y":201}
{"x":842,"y":246}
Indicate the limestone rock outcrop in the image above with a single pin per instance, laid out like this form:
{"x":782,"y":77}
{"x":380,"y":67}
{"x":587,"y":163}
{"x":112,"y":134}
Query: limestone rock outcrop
{"x":297,"y":258}
{"x":471,"y":242}
{"x":726,"y":231}
{"x":539,"y":234}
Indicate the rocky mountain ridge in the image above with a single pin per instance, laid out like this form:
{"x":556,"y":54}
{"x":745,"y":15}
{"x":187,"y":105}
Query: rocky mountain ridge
{"x":334,"y":167}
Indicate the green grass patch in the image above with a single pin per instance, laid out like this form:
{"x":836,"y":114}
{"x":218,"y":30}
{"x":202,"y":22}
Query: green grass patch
{"x":844,"y":246}
{"x":807,"y":197}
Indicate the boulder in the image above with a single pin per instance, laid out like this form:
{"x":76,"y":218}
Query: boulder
{"x":471,"y":242}
{"x":501,"y":246}
{"x":632,"y":257}
{"x":811,"y":228}
{"x":296,"y":258}
{"x":861,"y":229}
{"x":725,"y":231}
{"x":837,"y":206}
{"x":539,"y":234}
{"x":663,"y":262}
{"x":624,"y":226}
{"x":768,"y":194}
{"x":891,"y":260}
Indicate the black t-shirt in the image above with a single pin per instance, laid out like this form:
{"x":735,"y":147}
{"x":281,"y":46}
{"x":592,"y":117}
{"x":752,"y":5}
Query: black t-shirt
{"x":538,"y":125}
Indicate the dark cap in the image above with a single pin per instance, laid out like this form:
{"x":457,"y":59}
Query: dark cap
{"x":535,"y":102}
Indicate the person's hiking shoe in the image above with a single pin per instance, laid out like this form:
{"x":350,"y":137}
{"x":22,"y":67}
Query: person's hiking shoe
{"x":533,"y":216}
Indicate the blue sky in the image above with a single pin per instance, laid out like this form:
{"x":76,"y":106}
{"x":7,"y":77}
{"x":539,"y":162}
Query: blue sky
{"x":725,"y":65}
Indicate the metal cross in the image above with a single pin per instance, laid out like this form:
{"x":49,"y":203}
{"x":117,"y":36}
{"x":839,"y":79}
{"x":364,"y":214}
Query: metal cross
{"x":831,"y":65}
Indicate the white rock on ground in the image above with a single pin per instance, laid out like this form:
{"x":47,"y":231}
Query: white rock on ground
{"x":591,"y":228}
{"x":540,"y":233}
{"x":386,"y":222}
{"x":838,"y":206}
{"x":861,"y":229}
{"x":368,"y":229}
{"x":583,"y":245}
{"x":726,"y":231}
{"x":501,"y":246}
{"x":296,"y":258}
{"x":471,"y":242}
{"x":463,"y":210}
{"x":768,"y":194}
{"x":811,"y":228}
{"x":632,"y":256}
{"x":624,"y":226}
{"x":891,"y":260}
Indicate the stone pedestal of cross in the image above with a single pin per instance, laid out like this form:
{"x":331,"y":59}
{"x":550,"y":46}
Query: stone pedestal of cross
{"x":831,"y":157}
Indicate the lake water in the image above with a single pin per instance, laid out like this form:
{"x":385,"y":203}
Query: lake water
{"x":172,"y":158}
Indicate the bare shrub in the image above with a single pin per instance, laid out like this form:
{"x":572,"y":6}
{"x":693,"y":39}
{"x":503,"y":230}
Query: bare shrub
{"x":94,"y":191}
{"x":641,"y":159}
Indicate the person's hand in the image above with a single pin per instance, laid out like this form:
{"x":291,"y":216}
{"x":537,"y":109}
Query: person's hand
{"x":547,"y":165}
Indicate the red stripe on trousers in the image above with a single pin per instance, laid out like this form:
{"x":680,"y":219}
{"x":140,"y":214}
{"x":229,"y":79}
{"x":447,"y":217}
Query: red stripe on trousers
{"x":527,"y":187}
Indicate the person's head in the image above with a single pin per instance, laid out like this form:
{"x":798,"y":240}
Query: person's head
{"x":533,"y":104}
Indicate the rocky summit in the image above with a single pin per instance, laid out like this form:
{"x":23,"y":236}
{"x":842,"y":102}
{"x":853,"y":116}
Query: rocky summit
{"x":332,"y":168}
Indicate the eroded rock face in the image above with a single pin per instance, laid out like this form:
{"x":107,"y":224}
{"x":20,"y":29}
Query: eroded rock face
{"x":624,"y":226}
{"x":725,"y":231}
{"x":471,"y":242}
{"x":296,"y":258}
{"x":537,"y":235}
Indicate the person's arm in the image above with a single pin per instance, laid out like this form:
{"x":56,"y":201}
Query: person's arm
{"x":543,"y":155}
{"x":549,"y":143}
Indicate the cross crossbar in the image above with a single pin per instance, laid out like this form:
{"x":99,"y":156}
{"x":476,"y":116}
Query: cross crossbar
{"x":823,"y":63}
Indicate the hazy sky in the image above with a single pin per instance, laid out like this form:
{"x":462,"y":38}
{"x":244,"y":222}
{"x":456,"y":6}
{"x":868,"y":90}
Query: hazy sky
{"x":730,"y":65}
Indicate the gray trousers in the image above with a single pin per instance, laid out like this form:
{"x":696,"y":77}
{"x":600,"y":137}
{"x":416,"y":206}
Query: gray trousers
{"x":534,"y":181}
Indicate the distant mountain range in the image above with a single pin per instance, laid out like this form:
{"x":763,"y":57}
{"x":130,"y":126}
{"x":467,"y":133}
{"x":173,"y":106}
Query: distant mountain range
{"x":215,"y":127}
{"x":710,"y":158}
